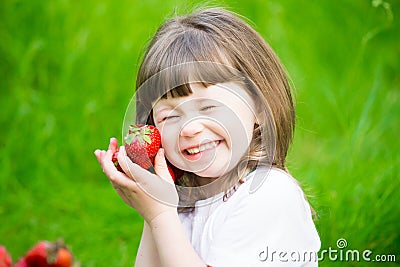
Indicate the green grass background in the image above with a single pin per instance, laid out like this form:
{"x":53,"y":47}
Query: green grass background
{"x":67,"y":72}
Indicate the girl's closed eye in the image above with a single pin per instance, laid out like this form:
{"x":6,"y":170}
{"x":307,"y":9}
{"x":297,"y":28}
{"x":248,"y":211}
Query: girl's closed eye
{"x":208,"y":105}
{"x":208,"y":108}
{"x":170,"y":117}
{"x":166,"y":116}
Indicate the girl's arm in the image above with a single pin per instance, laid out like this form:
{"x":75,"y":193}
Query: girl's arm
{"x":147,"y":255}
{"x":172,"y":243}
{"x":155,"y":199}
{"x":158,"y":236}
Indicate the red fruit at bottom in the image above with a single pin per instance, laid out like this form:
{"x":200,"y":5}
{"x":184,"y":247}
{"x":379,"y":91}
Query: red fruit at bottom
{"x":5,"y":257}
{"x":37,"y":256}
{"x":21,"y":263}
{"x":49,"y":254}
{"x":64,"y":258}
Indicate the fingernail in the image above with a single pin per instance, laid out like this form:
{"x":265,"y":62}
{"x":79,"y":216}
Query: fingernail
{"x":161,"y":152}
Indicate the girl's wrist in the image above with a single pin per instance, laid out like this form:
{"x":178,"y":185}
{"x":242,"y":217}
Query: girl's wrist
{"x":163,"y":218}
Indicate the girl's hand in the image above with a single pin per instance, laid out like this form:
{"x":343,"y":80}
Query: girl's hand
{"x":150,"y":194}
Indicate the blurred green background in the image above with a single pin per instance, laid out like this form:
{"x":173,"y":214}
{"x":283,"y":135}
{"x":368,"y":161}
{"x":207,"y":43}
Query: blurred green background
{"x":67,"y":73}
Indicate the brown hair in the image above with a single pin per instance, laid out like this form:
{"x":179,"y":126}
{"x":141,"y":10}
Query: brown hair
{"x":221,"y":36}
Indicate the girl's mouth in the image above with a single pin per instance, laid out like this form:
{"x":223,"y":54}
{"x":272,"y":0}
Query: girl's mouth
{"x":201,"y":148}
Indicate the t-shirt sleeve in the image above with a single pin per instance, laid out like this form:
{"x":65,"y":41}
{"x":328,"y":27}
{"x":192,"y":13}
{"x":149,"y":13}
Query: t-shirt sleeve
{"x":270,"y":227}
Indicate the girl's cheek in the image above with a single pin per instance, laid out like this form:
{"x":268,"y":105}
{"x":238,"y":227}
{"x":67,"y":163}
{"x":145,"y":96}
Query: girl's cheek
{"x":168,"y":136}
{"x":170,"y":145}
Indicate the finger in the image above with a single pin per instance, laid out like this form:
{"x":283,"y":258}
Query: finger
{"x":98,"y":153}
{"x":160,"y":166}
{"x":151,"y":184}
{"x":106,"y":158}
{"x":113,"y":146}
{"x":117,"y":178}
{"x":108,"y":165}
{"x":121,"y":182}
{"x":128,"y":166}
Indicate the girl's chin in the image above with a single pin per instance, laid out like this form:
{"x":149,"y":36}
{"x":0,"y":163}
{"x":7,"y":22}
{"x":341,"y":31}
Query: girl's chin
{"x":212,"y":172}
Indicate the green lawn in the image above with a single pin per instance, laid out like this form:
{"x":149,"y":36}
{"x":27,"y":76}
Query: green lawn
{"x":67,"y":73}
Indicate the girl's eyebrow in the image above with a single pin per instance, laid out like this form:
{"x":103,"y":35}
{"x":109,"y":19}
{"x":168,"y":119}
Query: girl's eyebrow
{"x":175,"y":105}
{"x":165,"y":108}
{"x":166,"y":105}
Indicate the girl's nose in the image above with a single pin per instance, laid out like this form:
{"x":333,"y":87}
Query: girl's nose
{"x":192,"y":128}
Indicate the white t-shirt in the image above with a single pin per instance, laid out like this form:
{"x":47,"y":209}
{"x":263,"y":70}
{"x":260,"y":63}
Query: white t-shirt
{"x":269,"y":226}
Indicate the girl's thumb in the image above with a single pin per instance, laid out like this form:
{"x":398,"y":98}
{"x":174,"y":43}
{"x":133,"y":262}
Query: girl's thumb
{"x":160,"y":166}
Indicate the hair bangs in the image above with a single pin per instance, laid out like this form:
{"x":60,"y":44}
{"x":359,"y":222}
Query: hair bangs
{"x":192,"y":56}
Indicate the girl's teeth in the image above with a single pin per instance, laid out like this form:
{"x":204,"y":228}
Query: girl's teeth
{"x":201,"y":148}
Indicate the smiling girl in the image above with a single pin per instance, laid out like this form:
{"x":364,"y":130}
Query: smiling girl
{"x":222,"y":102}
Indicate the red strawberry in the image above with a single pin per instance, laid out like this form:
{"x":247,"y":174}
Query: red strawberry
{"x":21,"y":263}
{"x":5,"y":258}
{"x":171,"y":172}
{"x":64,"y":258}
{"x":115,"y":161}
{"x":142,"y":144}
{"x":175,"y":172}
{"x":48,"y":254}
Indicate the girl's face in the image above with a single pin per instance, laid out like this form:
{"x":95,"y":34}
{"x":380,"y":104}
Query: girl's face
{"x":208,"y":131}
